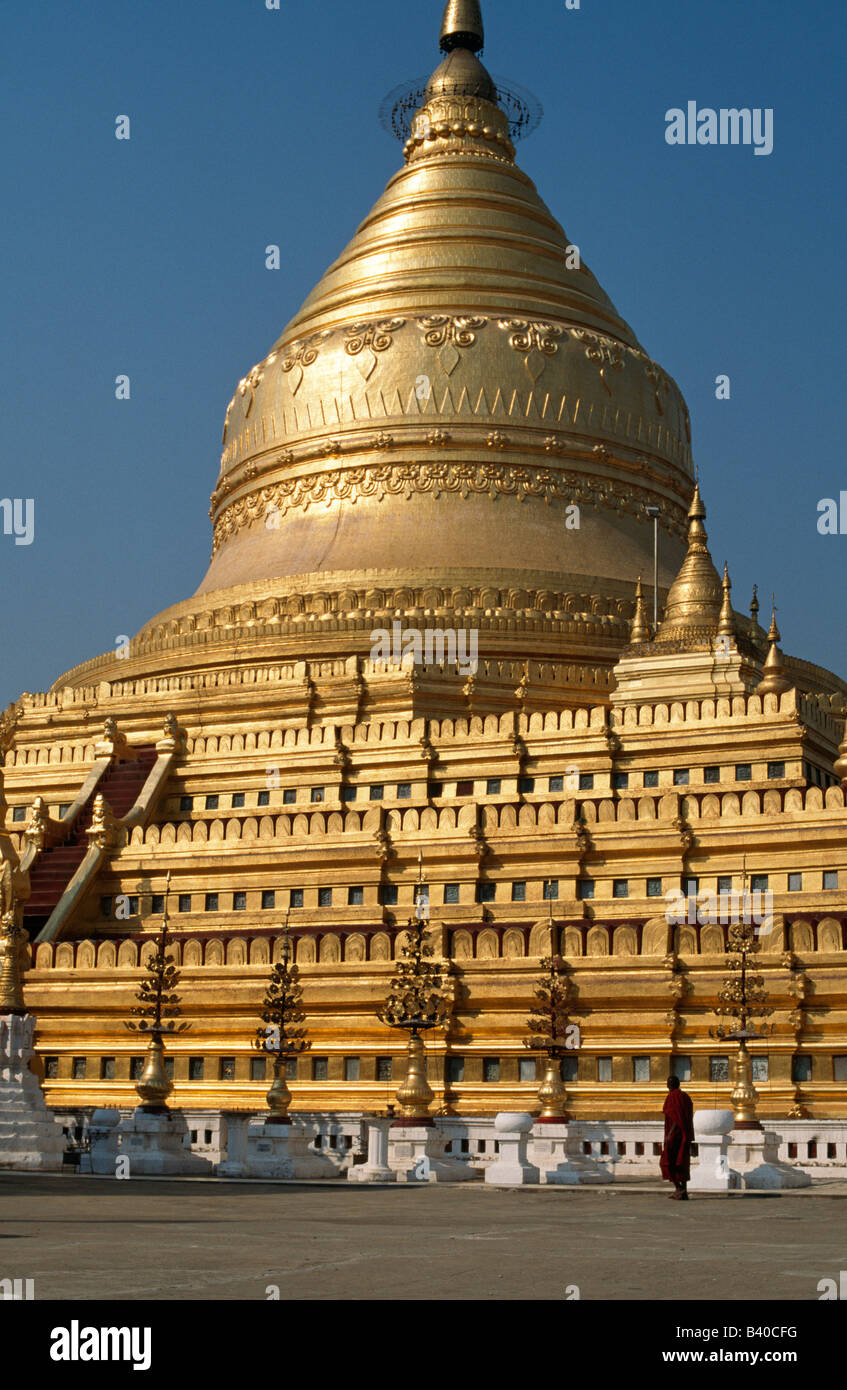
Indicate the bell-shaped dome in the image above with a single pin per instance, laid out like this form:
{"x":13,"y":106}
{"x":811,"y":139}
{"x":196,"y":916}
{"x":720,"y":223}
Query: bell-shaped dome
{"x":457,"y":422}
{"x":695,"y":599}
{"x":454,"y":384}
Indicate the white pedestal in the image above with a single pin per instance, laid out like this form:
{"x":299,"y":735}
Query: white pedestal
{"x":30,"y":1135}
{"x":235,"y":1163}
{"x":557,"y":1155}
{"x":283,"y":1151}
{"x":155,"y":1145}
{"x":753,"y":1157}
{"x":711,"y":1171}
{"x":103,"y":1138}
{"x":376,"y":1169}
{"x":416,"y":1154}
{"x":511,"y":1167}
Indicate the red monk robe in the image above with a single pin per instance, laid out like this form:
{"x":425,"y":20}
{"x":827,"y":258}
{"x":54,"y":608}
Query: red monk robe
{"x":679,"y":1134}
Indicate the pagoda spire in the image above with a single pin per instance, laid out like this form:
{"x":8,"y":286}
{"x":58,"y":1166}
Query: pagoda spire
{"x":726,"y":623}
{"x":754,"y":607}
{"x":694,"y":603}
{"x":461,"y":26}
{"x":774,"y":680}
{"x":640,"y":630}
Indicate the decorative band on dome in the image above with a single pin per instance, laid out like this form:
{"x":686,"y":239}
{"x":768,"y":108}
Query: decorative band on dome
{"x":523,"y":111}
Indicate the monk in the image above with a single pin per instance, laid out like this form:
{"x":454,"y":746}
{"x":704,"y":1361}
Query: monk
{"x":679,"y":1134}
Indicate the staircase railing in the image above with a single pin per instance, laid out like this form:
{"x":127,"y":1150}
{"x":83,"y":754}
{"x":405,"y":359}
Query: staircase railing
{"x":107,"y":832}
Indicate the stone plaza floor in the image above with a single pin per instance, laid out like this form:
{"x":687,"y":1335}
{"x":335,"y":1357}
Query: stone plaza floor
{"x":101,"y":1238}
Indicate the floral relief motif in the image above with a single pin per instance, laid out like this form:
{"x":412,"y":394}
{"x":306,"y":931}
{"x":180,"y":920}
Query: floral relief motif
{"x":302,"y":353}
{"x":605,"y":352}
{"x":449,"y":333}
{"x":657,"y":378}
{"x":246,"y":388}
{"x":364,"y":340}
{"x":437,"y":479}
{"x":535,"y":340}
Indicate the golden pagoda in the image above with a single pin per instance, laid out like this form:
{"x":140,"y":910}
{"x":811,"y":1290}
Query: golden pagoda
{"x":456,"y":436}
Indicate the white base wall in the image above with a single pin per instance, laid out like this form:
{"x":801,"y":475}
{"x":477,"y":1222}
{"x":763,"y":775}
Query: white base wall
{"x":602,"y":1151}
{"x":30,"y":1137}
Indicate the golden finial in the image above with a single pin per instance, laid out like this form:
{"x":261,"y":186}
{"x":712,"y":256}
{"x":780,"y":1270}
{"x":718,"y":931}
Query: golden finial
{"x":461,"y":26}
{"x":774,"y":680}
{"x":726,"y":627}
{"x":693,"y":607}
{"x":754,"y":606}
{"x":640,"y":630}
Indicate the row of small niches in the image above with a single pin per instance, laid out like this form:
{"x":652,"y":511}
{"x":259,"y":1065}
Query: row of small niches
{"x":525,"y":786}
{"x":494,"y":786}
{"x":308,"y":1068}
{"x":484,"y":892}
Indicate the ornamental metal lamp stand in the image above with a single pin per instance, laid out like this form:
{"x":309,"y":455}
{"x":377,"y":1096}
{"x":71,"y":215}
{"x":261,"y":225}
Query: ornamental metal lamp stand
{"x":282,"y":1014}
{"x":742,"y":998}
{"x":158,"y":1008}
{"x":548,"y":1024}
{"x":417,"y":1001}
{"x":744,"y":1095}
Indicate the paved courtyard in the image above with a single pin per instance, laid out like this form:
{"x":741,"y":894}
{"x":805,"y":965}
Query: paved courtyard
{"x":83,"y":1237}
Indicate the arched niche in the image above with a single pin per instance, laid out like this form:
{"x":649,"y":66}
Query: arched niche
{"x":712,"y":941}
{"x":355,"y":949}
{"x":487,"y":945}
{"x":625,"y":941}
{"x":380,"y":946}
{"x":656,"y":937}
{"x":85,"y":955}
{"x":329,"y":952}
{"x":236,"y":952}
{"x":685,"y":941}
{"x":571,"y":941}
{"x":540,"y":939}
{"x":192,"y":954}
{"x":305,"y":951}
{"x":513,"y":943}
{"x":829,"y":934}
{"x":597,"y":942}
{"x":802,"y":939}
{"x":461,"y":945}
{"x":127,"y":955}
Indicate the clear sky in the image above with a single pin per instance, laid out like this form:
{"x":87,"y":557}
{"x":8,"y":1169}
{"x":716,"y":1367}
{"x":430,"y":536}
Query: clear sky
{"x":252,"y":126}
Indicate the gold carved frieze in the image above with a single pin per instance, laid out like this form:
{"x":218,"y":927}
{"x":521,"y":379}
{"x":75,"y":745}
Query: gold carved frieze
{"x":301,"y":354}
{"x":448,"y":333}
{"x":246,"y":389}
{"x":536,"y":341}
{"x":365,"y":340}
{"x":606,"y":353}
{"x":435,"y":479}
{"x":658,"y":379}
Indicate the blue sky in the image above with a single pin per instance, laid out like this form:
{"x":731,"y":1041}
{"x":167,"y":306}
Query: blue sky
{"x":252,"y":126}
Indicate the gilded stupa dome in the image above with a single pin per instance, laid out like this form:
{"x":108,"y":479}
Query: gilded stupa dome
{"x":454,"y":382}
{"x":456,"y":425}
